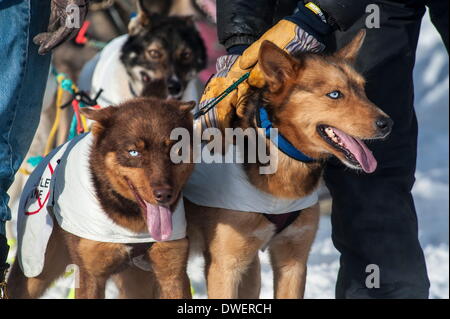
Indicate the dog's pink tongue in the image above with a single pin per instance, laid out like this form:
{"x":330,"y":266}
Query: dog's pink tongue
{"x":159,"y":221}
{"x":359,"y":150}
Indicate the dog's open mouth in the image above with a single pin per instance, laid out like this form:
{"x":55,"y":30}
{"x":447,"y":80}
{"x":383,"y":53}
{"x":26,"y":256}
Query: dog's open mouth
{"x":158,"y":217}
{"x":355,"y":151}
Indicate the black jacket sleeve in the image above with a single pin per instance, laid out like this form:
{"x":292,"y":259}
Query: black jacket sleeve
{"x":343,"y":13}
{"x":241,"y":22}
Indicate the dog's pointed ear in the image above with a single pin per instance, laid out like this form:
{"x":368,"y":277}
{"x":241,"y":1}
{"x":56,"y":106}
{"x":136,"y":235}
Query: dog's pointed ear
{"x":145,"y":9}
{"x":350,"y":51}
{"x":141,"y":20}
{"x":186,"y":107}
{"x":102,"y":116}
{"x":276,"y":65}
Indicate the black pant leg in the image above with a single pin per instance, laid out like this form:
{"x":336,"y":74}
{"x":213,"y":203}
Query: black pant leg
{"x":373,"y":215}
{"x":439,"y":17}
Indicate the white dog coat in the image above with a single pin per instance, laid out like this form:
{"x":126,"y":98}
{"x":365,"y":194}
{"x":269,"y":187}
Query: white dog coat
{"x":61,"y":187}
{"x":110,"y":75}
{"x":226,"y":185}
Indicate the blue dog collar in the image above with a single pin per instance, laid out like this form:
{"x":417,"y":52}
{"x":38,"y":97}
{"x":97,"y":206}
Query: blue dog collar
{"x":283,"y":144}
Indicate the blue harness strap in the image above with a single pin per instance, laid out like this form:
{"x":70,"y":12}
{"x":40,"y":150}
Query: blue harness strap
{"x":281,"y":142}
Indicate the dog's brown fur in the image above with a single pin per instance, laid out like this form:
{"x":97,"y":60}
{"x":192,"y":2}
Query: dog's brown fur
{"x":295,"y":97}
{"x":145,"y":125}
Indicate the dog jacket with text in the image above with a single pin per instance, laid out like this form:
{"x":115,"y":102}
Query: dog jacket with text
{"x":61,"y":187}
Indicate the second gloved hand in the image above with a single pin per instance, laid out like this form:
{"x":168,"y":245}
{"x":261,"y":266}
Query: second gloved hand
{"x":66,"y":18}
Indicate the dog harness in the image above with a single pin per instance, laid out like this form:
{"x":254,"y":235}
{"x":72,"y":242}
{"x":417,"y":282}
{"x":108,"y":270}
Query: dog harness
{"x":61,"y":188}
{"x":282,"y":221}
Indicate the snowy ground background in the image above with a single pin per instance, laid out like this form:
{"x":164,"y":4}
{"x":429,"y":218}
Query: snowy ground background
{"x":431,"y":191}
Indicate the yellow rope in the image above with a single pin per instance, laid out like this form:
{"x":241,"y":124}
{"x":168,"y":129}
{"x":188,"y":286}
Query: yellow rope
{"x":51,"y":137}
{"x":24,"y":171}
{"x":84,"y":122}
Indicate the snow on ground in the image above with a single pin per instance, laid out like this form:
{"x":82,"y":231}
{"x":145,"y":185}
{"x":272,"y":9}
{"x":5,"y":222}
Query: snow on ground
{"x":431,"y":191}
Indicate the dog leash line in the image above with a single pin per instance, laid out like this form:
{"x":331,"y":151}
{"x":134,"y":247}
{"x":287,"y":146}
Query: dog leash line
{"x":205,"y":109}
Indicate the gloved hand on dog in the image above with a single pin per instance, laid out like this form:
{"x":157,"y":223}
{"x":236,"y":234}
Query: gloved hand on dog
{"x":66,"y":18}
{"x":303,"y":31}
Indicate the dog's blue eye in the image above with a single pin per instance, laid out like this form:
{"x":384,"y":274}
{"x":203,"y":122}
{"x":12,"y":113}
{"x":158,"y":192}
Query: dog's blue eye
{"x":133,"y":153}
{"x":334,"y":94}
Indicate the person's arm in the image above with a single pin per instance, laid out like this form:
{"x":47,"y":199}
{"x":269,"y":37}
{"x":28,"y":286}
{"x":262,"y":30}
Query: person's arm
{"x":341,"y":14}
{"x":241,"y":22}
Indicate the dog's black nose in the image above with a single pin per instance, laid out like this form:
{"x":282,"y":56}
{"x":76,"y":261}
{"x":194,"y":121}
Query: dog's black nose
{"x":174,"y":87}
{"x":163,"y":195}
{"x":384,"y":125}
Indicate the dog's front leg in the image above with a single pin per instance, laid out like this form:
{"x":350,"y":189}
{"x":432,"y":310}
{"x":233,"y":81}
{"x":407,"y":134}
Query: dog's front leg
{"x":289,"y":254}
{"x":91,"y":287}
{"x":169,"y":264}
{"x":96,"y":262}
{"x":230,"y":254}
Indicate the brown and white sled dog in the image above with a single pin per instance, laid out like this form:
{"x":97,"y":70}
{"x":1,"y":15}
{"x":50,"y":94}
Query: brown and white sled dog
{"x":109,"y":203}
{"x":319,"y":105}
{"x":160,"y":57}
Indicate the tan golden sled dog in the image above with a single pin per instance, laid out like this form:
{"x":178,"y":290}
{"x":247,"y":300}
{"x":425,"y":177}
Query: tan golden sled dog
{"x":115,"y":206}
{"x":319,"y":105}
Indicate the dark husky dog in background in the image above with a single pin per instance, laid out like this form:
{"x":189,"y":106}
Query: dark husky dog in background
{"x":163,"y":53}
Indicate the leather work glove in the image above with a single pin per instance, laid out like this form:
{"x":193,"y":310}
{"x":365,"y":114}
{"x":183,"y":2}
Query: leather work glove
{"x":66,"y":18}
{"x":302,"y":31}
